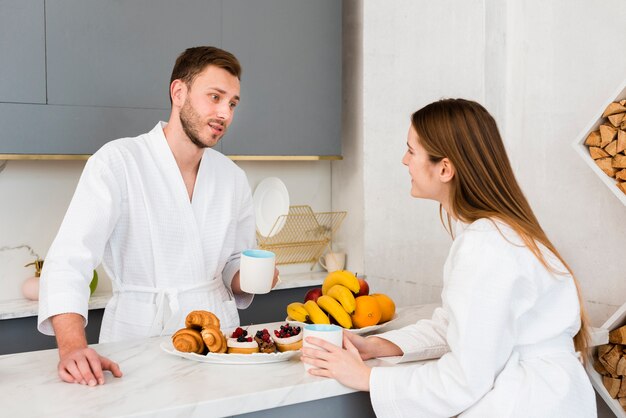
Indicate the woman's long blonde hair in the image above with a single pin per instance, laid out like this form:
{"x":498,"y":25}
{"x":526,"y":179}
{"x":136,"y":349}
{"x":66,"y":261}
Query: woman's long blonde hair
{"x":484,"y":185}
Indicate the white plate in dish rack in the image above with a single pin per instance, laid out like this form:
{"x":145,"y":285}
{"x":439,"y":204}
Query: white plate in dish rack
{"x":271,"y":200}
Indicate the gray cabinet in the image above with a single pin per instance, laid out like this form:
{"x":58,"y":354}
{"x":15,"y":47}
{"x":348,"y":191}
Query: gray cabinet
{"x":121,"y":53}
{"x":22,"y":52}
{"x":290,"y":51}
{"x":85,"y":72}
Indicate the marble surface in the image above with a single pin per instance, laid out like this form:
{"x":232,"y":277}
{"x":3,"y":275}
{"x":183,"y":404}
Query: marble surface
{"x":157,"y":384}
{"x":20,"y":308}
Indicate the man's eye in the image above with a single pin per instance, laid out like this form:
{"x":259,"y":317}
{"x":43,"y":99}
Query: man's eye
{"x":215,"y":97}
{"x":233,"y":105}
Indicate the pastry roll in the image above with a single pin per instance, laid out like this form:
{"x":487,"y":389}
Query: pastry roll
{"x":214,"y":339}
{"x":188,"y":341}
{"x":201,"y":319}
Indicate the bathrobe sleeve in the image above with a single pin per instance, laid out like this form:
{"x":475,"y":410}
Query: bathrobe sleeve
{"x":483,"y":294}
{"x":424,"y":340}
{"x":79,"y":245}
{"x":245,"y":238}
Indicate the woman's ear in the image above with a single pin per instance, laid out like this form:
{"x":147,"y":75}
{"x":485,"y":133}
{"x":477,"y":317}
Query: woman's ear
{"x":446,"y":170}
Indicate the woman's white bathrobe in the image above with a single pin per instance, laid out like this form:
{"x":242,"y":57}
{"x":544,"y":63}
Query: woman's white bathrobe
{"x":506,"y":326}
{"x":165,"y":255}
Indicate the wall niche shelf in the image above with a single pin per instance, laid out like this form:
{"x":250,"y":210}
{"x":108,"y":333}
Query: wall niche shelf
{"x":594,"y":125}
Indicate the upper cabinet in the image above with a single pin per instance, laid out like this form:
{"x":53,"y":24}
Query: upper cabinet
{"x":22,"y":51}
{"x":102,"y":68}
{"x":290,"y":52}
{"x":121,"y":53}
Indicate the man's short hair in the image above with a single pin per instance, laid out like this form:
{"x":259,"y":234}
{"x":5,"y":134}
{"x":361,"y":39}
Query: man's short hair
{"x":194,"y":60}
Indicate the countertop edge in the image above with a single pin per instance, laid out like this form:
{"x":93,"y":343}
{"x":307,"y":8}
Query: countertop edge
{"x":24,"y":308}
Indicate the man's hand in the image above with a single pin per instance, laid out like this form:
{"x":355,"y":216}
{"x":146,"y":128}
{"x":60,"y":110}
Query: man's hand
{"x":86,"y":366}
{"x":79,"y":363}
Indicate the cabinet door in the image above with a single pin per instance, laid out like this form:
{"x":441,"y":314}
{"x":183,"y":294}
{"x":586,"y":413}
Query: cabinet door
{"x":22,"y":51}
{"x":290,"y":52}
{"x":121,"y":53}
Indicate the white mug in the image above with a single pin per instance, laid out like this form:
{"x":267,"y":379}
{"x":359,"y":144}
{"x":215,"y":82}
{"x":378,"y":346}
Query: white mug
{"x":331,"y":333}
{"x":256,"y":271}
{"x":333,"y":261}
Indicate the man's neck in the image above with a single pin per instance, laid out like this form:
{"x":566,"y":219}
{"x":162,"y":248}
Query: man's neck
{"x":186,"y":154}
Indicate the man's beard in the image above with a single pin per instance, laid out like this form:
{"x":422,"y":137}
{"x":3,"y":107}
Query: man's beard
{"x":190,"y":120}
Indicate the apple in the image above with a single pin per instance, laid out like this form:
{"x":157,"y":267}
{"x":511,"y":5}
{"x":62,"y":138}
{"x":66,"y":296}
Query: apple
{"x":364,"y":288}
{"x":313,"y":294}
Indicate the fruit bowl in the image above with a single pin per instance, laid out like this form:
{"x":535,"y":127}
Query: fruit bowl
{"x":357,"y":331}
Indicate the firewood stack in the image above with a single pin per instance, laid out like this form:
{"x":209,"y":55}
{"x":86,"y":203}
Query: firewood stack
{"x":611,"y":364}
{"x":607,"y":145}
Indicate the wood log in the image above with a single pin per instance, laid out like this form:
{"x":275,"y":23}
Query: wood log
{"x":593,"y":139}
{"x":616,"y":119}
{"x":607,"y":134}
{"x":622,"y":102}
{"x":598,"y":367}
{"x":612,"y":109}
{"x":622,"y":389}
{"x":597,"y":152}
{"x":622,"y":402}
{"x":619,"y":161}
{"x":610,"y":360}
{"x":618,"y":336}
{"x":612,"y":148}
{"x":612,"y":385}
{"x":621,"y":367}
{"x":603,"y":349}
{"x":621,"y":175}
{"x":622,"y":186}
{"x":608,"y":165}
{"x":621,"y":141}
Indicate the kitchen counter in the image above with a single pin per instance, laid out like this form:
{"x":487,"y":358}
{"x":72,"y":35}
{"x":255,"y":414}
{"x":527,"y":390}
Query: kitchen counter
{"x":159,"y":384}
{"x":22,"y":308}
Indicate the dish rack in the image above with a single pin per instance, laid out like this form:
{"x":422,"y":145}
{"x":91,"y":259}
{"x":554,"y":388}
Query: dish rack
{"x":301,"y":235}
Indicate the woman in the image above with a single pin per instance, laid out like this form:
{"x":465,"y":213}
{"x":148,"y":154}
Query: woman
{"x":511,"y":320}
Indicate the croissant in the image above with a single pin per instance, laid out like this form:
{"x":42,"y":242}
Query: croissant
{"x":188,"y":341}
{"x":201,"y":319}
{"x":214,"y":339}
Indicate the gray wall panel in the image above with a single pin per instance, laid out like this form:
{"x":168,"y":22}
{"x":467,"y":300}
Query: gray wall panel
{"x":49,"y":129}
{"x":290,"y":51}
{"x":22,"y":48}
{"x":121,"y":53}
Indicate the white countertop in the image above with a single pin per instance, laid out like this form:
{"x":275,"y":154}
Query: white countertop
{"x":20,"y":308}
{"x":159,"y":384}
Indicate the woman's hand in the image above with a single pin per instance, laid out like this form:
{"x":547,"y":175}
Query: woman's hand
{"x":343,"y":365}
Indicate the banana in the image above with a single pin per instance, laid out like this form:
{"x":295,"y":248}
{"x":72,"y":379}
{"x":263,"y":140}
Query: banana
{"x":316,"y":315}
{"x":344,"y":296}
{"x":342,"y":277}
{"x":297,"y":312}
{"x":333,"y":307}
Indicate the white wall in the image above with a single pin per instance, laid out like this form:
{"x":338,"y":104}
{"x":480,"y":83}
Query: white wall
{"x":35,"y":196}
{"x":542,"y":69}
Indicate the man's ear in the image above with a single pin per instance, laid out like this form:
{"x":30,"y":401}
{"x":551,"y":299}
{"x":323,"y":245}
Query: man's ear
{"x":178,"y":91}
{"x":446,"y":170}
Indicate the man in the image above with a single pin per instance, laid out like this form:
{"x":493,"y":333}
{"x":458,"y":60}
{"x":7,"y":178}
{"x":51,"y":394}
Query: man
{"x":167,"y":216}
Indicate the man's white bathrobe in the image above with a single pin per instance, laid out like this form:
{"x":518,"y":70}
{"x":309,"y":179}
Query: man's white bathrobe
{"x":165,"y":255}
{"x":504,"y":332}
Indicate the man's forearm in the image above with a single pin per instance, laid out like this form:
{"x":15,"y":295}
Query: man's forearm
{"x":69,"y":329}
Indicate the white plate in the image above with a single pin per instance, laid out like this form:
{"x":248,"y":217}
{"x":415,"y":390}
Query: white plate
{"x":255,"y":358}
{"x":271,"y":200}
{"x":357,"y":331}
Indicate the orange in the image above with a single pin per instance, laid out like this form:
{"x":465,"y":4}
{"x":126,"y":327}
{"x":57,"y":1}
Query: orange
{"x":387,"y":307}
{"x":367,"y":312}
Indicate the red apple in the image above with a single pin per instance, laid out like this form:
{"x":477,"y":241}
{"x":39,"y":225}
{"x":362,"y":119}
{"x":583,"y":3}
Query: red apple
{"x":364,"y":290}
{"x":313,"y":294}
